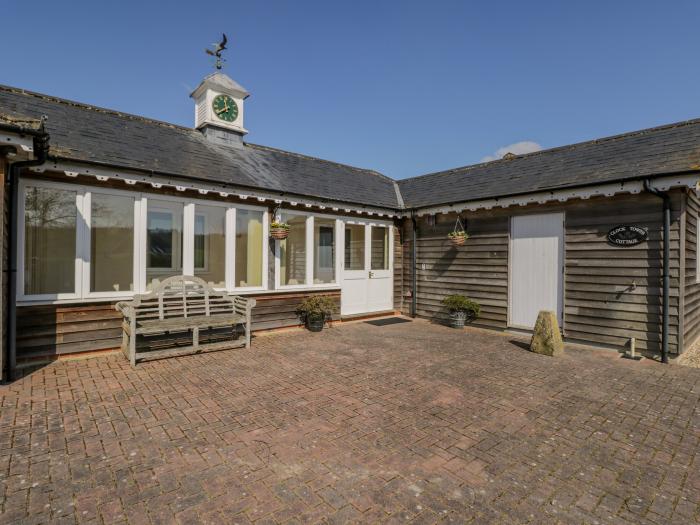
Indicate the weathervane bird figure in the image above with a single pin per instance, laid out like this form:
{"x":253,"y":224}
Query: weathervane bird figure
{"x":216,"y":52}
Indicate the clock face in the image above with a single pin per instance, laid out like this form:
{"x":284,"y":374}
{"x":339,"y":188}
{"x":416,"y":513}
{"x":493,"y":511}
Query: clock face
{"x":225,"y":108}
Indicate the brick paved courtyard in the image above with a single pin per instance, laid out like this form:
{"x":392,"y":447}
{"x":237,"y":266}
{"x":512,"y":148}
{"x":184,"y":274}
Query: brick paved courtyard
{"x":404,"y":423}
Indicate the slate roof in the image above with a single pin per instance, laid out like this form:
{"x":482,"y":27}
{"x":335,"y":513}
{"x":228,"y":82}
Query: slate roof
{"x":674,"y":148}
{"x":86,"y":133}
{"x":80,"y":132}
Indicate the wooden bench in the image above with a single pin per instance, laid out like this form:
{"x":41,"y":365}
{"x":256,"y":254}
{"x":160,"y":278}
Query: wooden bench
{"x":182,"y":304}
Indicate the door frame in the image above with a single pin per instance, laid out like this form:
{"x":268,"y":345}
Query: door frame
{"x":387,"y":274}
{"x":561,"y":274}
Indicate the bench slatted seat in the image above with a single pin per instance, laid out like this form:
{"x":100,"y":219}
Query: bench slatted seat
{"x":182,"y":303}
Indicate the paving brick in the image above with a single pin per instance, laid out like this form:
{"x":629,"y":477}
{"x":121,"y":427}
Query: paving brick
{"x":397,"y":424}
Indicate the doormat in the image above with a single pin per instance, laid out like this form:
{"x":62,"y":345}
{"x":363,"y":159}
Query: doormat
{"x":388,"y":320}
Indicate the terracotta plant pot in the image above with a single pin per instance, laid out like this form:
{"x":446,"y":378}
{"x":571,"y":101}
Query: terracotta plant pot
{"x":279,"y":233}
{"x":315,"y":323}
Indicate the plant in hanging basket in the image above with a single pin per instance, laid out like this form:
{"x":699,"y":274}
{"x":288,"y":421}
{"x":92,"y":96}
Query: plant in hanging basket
{"x":458,"y":238}
{"x":279,"y":230}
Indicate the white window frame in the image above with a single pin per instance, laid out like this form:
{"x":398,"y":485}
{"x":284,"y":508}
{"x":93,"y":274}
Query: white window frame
{"x":310,"y":254}
{"x":83,"y":239}
{"x":79,"y":240}
{"x":231,"y":249}
{"x":87,"y":243}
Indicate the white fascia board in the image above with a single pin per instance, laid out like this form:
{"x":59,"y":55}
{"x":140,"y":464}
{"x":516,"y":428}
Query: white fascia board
{"x":73,"y":169}
{"x":664,"y":183}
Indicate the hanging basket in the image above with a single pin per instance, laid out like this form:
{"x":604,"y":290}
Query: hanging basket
{"x":458,"y":237}
{"x":279,"y":231}
{"x":458,"y":240}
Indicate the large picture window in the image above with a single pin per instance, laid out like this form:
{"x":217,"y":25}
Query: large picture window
{"x":324,"y":251}
{"x":293,"y":251}
{"x":163,"y":241}
{"x":79,"y":242}
{"x":210,"y":244}
{"x":249,"y":248}
{"x":50,"y":216}
{"x":111,"y":243}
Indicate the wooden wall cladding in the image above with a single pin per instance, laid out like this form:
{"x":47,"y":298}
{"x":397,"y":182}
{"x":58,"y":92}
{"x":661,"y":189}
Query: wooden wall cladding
{"x":610,"y":293}
{"x":47,"y":330}
{"x":478,"y":270}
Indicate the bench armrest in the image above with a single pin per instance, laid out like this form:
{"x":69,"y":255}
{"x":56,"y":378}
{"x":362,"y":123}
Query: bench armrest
{"x":125,"y":307}
{"x":243,"y":305}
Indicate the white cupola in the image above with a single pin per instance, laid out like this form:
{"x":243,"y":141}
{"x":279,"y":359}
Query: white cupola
{"x":218,"y":112}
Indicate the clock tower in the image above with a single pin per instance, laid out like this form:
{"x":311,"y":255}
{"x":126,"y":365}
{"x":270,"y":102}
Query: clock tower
{"x":218,"y":112}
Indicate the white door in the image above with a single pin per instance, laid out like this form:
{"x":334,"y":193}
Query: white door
{"x":536,"y":267}
{"x":367,"y":282}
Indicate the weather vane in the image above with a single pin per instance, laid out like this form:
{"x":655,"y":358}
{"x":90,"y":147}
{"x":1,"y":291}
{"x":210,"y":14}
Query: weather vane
{"x":216,"y":52}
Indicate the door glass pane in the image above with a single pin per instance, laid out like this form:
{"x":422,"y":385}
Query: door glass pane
{"x":163,"y":241}
{"x":354,"y":247}
{"x":324,"y":251}
{"x":380,"y":248}
{"x":210,"y":244}
{"x":293,"y":251}
{"x":49,"y":236}
{"x":249,"y":248}
{"x":111,"y":243}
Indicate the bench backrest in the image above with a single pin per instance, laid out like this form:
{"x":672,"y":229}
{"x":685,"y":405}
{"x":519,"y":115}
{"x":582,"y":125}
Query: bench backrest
{"x":185,"y":296}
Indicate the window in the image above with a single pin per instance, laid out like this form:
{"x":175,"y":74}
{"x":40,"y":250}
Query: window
{"x":210,"y":244}
{"x":249,"y":248}
{"x":80,"y":242}
{"x":111,"y":243}
{"x":324,"y":251}
{"x":354,"y":247}
{"x":293,"y":251}
{"x":380,"y":248}
{"x":163,"y":241}
{"x":50,"y":218}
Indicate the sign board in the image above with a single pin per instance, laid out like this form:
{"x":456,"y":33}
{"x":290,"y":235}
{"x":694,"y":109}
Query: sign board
{"x":627,"y":235}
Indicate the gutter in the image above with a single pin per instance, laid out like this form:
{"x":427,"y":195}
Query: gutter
{"x":41,"y":150}
{"x":666,"y":263}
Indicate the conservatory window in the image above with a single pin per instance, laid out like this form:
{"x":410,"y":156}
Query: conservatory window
{"x":50,"y":226}
{"x":111,"y":243}
{"x":163,"y":241}
{"x":293,"y":251}
{"x":210,"y":244}
{"x":324,"y":251}
{"x":248,"y":269}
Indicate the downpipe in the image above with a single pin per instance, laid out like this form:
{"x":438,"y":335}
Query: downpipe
{"x":41,"y":152}
{"x":414,"y":258}
{"x":666,"y":263}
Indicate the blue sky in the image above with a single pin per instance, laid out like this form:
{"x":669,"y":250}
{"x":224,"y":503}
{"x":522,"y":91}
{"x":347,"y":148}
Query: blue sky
{"x":402,"y":87}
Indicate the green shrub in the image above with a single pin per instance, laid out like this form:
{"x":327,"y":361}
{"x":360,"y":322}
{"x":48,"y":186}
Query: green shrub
{"x":460,"y":303}
{"x":316,"y":306}
{"x":453,"y":235}
{"x":281,"y":225}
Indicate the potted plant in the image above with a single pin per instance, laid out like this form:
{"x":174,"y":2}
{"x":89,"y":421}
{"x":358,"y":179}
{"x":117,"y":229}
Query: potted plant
{"x":314,"y":311}
{"x":279,"y":230}
{"x":458,"y":238}
{"x":461,"y":308}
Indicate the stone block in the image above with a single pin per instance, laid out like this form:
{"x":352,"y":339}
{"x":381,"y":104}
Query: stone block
{"x":546,"y":338}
